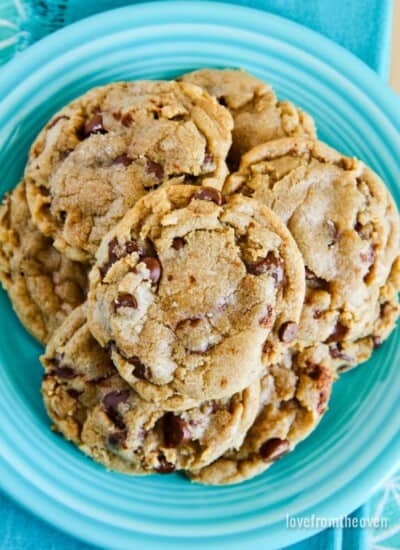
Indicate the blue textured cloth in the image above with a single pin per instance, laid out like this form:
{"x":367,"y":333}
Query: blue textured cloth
{"x":361,"y":26}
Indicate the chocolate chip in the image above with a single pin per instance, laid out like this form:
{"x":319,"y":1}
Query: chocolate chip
{"x":164,"y":467}
{"x":109,"y":346}
{"x":208,"y":163}
{"x":222,"y":101}
{"x":336,"y":352}
{"x":314,"y":370}
{"x":175,"y":430}
{"x":123,"y":159}
{"x":111,"y":402}
{"x":64,"y":154}
{"x":94,"y":126}
{"x":209,"y":194}
{"x":178,"y":243}
{"x":140,"y":370}
{"x":339,"y":333}
{"x":113,"y":399}
{"x":334,"y":232}
{"x":377,"y":341}
{"x":63,"y":216}
{"x":117,"y":251}
{"x":155,"y":169}
{"x":274,"y":448}
{"x":270,"y":264}
{"x":266,"y":320}
{"x":74,"y":393}
{"x":316,"y":282}
{"x":288,"y":331}
{"x":125,"y":300}
{"x":154,"y":267}
{"x":117,"y":438}
{"x":191,"y":321}
{"x":65,"y":372}
{"x":126,"y":120}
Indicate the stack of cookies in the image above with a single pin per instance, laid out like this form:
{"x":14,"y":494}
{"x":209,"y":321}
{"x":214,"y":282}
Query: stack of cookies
{"x":201,"y":268}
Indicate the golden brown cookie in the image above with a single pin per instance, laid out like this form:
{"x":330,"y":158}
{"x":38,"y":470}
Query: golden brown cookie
{"x":98,"y":155}
{"x":194,"y":295}
{"x":44,"y":286}
{"x":346,"y":225}
{"x":294,"y":397}
{"x":258,"y":115}
{"x":92,"y":406}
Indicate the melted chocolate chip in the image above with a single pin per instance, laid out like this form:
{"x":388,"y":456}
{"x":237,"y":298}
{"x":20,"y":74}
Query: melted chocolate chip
{"x":155,"y":169}
{"x":113,"y":399}
{"x":123,"y":159}
{"x":94,"y":126}
{"x":274,"y":448}
{"x":109,"y":346}
{"x":339,"y":333}
{"x":314,"y":370}
{"x":154,"y":267}
{"x":178,"y":243}
{"x":337,"y":352}
{"x":111,"y":402}
{"x":126,"y":120}
{"x":270,"y":264}
{"x":74,"y":393}
{"x":140,"y":370}
{"x":209,"y":194}
{"x":175,"y":430}
{"x":117,"y":438}
{"x":164,"y":467}
{"x":117,"y":251}
{"x":191,"y":321}
{"x":62,"y":371}
{"x":288,"y":331}
{"x":316,"y":282}
{"x":125,"y":300}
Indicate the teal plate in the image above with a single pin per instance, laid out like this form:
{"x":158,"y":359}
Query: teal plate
{"x":356,"y":446}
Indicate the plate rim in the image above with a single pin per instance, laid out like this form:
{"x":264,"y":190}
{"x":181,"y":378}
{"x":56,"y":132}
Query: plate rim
{"x":70,"y":33}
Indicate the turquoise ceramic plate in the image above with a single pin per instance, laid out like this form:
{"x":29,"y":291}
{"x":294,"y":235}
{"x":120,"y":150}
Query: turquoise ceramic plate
{"x":358,"y":443}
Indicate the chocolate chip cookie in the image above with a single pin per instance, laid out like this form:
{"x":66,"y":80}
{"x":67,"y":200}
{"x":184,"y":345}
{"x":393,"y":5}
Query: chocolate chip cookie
{"x":92,"y":406}
{"x":258,"y":115}
{"x":44,"y":286}
{"x":347,"y":228}
{"x":294,"y":396}
{"x":194,"y":295}
{"x":97,"y":156}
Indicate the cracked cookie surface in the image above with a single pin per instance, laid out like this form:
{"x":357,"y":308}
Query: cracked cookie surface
{"x":102,"y":152}
{"x":347,"y":228}
{"x":258,"y":115}
{"x":294,"y":396}
{"x":92,"y":406}
{"x":43,"y":285}
{"x":194,"y":295}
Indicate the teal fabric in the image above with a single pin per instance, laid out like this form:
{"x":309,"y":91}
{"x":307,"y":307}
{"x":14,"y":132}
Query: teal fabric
{"x":361,"y":26}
